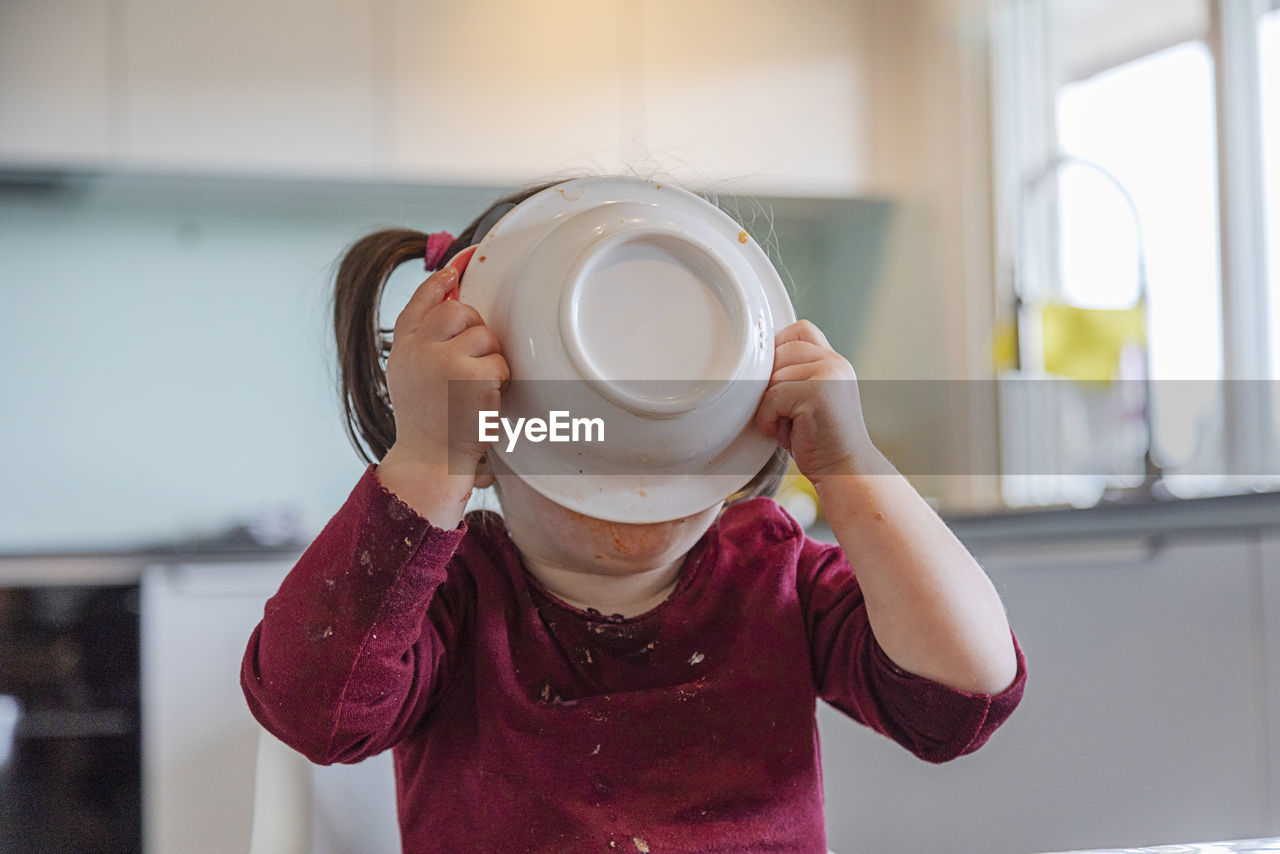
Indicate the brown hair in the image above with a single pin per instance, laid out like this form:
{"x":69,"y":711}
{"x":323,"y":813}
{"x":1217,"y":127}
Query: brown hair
{"x":363,"y":345}
{"x":767,"y":481}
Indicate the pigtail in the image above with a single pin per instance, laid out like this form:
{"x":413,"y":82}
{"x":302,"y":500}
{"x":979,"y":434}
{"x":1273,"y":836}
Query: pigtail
{"x":362,"y":346}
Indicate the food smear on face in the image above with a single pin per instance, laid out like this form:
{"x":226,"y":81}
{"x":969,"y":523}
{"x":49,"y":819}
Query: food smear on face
{"x":619,"y":544}
{"x":626,"y":539}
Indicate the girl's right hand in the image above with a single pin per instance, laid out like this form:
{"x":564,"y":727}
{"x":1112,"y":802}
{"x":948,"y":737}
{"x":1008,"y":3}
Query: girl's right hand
{"x":437,"y":340}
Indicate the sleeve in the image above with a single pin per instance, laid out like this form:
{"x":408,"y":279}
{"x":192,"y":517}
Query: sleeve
{"x":344,"y":660}
{"x":852,"y":672}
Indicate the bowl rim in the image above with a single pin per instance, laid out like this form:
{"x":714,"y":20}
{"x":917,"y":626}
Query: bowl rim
{"x":639,"y":497}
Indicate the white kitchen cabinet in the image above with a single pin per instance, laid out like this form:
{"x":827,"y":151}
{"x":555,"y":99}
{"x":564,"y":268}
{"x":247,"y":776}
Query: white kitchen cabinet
{"x":771,"y":97}
{"x":491,"y":91}
{"x":757,"y":98}
{"x":1269,"y":582}
{"x":242,"y":86}
{"x":200,"y":741}
{"x":54,"y":72}
{"x":1143,"y":722}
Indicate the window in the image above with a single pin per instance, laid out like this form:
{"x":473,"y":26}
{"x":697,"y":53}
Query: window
{"x":1126,"y":99}
{"x":1150,"y":124}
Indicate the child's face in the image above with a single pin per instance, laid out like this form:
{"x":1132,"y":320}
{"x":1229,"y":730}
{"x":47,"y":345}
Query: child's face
{"x":553,"y":534}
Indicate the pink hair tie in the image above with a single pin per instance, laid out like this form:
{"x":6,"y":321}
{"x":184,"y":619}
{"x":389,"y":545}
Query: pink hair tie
{"x":437,"y":245}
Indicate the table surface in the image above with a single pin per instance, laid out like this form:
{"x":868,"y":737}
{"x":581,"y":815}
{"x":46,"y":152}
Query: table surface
{"x":1237,"y":846}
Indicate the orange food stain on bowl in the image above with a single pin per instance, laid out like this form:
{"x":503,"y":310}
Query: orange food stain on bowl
{"x":742,"y":237}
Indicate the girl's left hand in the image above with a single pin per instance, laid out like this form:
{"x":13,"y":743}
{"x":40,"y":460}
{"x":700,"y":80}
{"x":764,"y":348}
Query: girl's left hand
{"x":811,"y":405}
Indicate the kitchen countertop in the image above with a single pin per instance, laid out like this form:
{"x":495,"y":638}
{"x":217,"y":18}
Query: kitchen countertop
{"x":1218,"y":516}
{"x":1222,"y":516}
{"x":122,"y":567}
{"x":1227,"y":515}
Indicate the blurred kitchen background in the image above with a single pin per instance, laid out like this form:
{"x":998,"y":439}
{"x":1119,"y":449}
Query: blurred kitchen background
{"x":1046,"y":233}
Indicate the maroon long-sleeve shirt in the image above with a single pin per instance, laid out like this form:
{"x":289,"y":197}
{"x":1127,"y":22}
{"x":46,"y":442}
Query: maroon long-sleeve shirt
{"x":520,"y":723}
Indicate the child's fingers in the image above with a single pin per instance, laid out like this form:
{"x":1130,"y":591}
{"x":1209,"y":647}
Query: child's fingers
{"x":799,"y":372}
{"x":780,"y":401}
{"x":801,"y":330}
{"x":796,"y":352}
{"x":460,"y":261}
{"x":438,"y":286}
{"x":784,"y":433}
{"x":428,"y":295}
{"x":448,"y":319}
{"x":797,"y":360}
{"x":493,"y":368}
{"x":478,"y":340}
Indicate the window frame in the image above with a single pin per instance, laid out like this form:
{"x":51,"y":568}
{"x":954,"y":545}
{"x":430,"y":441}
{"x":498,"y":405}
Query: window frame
{"x":1233,"y":40}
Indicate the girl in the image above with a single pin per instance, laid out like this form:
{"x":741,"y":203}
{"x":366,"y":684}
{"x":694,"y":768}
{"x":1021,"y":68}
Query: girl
{"x":553,"y":682}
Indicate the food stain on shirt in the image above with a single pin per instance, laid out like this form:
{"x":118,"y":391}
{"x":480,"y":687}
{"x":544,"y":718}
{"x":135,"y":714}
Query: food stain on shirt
{"x":640,"y":844}
{"x":601,"y":789}
{"x":548,"y":695}
{"x":692,"y":689}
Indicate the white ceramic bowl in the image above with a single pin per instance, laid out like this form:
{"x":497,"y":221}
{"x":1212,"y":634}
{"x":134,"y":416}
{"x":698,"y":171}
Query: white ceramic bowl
{"x":650,"y":308}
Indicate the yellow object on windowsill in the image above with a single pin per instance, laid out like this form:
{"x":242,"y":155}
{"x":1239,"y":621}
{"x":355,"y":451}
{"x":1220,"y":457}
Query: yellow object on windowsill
{"x":1085,"y":343}
{"x":1079,"y":343}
